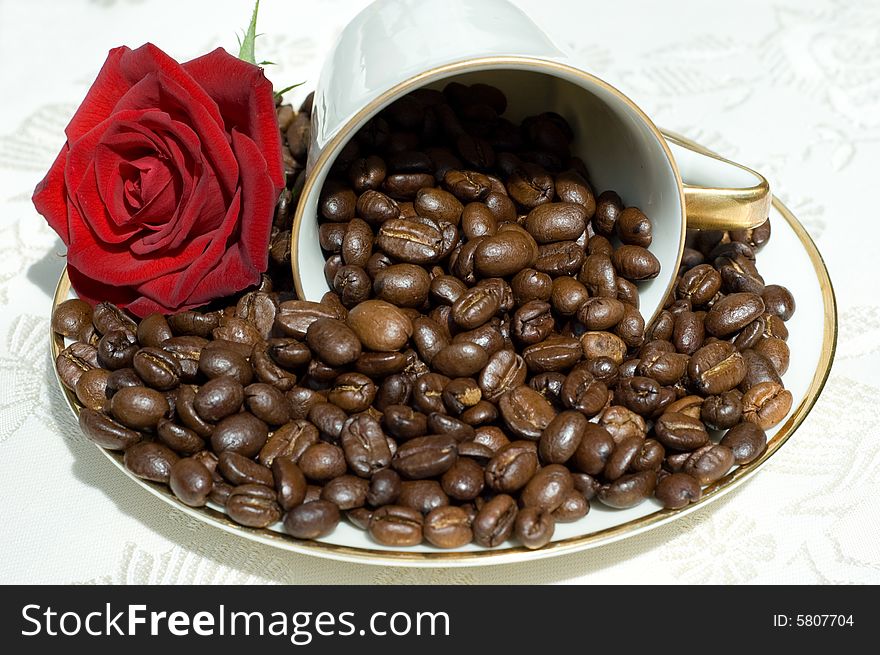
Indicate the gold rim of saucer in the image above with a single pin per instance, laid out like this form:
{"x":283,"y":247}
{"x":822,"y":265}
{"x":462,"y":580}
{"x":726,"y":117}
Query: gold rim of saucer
{"x":514,"y":553}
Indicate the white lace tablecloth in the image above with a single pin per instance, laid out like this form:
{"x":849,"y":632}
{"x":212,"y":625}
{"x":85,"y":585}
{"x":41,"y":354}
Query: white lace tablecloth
{"x":789,"y":87}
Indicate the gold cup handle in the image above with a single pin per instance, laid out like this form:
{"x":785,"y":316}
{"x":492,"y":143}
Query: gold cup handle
{"x":719,"y":194}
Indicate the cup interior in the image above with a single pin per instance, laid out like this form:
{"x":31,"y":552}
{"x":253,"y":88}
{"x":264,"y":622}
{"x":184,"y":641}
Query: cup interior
{"x":621,"y":148}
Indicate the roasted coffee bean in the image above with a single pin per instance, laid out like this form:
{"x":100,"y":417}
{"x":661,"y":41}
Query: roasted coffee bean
{"x":568,"y":295}
{"x":747,"y":441}
{"x":150,"y":460}
{"x":403,"y":285}
{"x":560,"y":258}
{"x":504,"y":372}
{"x":505,"y":253}
{"x":217,"y":362}
{"x":664,"y":367}
{"x":428,"y":392}
{"x":534,"y":527}
{"x":322,"y":461}
{"x":627,"y":292}
{"x":650,"y":456}
{"x":353,"y":285}
{"x":722,"y":411}
{"x":778,"y":301}
{"x":425,"y":457}
{"x":562,"y":437}
{"x":446,"y":289}
{"x":599,"y":276}
{"x":586,"y":485}
{"x":482,"y":413}
{"x":346,"y":492}
{"x":438,"y":204}
{"x":73,"y":361}
{"x":478,"y":220}
{"x":758,"y":369}
{"x":191,"y":482}
{"x":699,"y":284}
{"x":258,"y":308}
{"x":380,"y":326}
{"x":709,"y":464}
{"x":603,"y":344}
{"x":107,"y":317}
{"x":532,"y":322}
{"x":404,"y":422}
{"x":353,"y":392}
{"x":238,"y":469}
{"x":766,"y":404}
{"x":290,"y":483}
{"x":628,"y":490}
{"x":571,"y":187}
{"x":242,"y":433}
{"x":366,"y":173}
{"x":716,"y":368}
{"x":238,"y":331}
{"x":600,"y":313}
{"x":526,"y":412}
{"x":268,"y":371}
{"x":331,"y":235}
{"x":529,"y":284}
{"x":677,"y":490}
{"x":640,"y":394}
{"x":776,"y":351}
{"x":267,"y":403}
{"x":157,"y":368}
{"x":622,"y":422}
{"x":460,"y":359}
{"x":688,"y":405}
{"x":465,"y":479}
{"x":733,"y":312}
{"x":139,"y":408}
{"x":364,"y":445}
{"x":608,"y":210}
{"x":219,"y":398}
{"x":689,"y":331}
{"x":295,"y":316}
{"x":253,"y":505}
{"x":422,"y":495}
{"x":301,"y":400}
{"x":91,"y":388}
{"x":530,"y":185}
{"x":635,"y":263}
{"x":512,"y":466}
{"x":180,"y":439}
{"x":106,"y":432}
{"x":555,"y":353}
{"x":574,"y":506}
{"x":495,"y":521}
{"x":184,"y":406}
{"x":73,"y":319}
{"x":188,"y":351}
{"x":634,"y":228}
{"x":556,"y":221}
{"x":661,"y":328}
{"x":116,"y":349}
{"x":475,"y":307}
{"x":631,"y":328}
{"x":328,"y":418}
{"x":193,"y":323}
{"x":312,"y":520}
{"x":461,"y":394}
{"x":622,"y":458}
{"x":404,"y":186}
{"x":337,"y":203}
{"x":680,"y":431}
{"x":447,"y":527}
{"x":548,"y":488}
{"x":395,"y":525}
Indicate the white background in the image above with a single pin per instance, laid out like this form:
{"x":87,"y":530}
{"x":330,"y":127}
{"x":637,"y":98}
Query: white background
{"x":791,"y":88}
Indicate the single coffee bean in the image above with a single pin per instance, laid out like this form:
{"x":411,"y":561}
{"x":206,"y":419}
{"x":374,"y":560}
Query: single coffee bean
{"x":364,"y":445}
{"x":677,"y":490}
{"x":242,"y":433}
{"x":312,"y":520}
{"x":290,"y":440}
{"x":603,"y":344}
{"x":465,"y":479}
{"x":157,"y":368}
{"x":722,"y":411}
{"x":238,"y":469}
{"x":572,"y":187}
{"x":150,"y":460}
{"x":267,"y":403}
{"x":622,"y":422}
{"x":556,"y":221}
{"x":639,"y":394}
{"x":634,"y":228}
{"x":548,"y":488}
{"x":562,"y":437}
{"x":680,"y":431}
{"x":461,"y":394}
{"x":106,"y":432}
{"x":688,"y":332}
{"x":353,"y":392}
{"x":72,"y":319}
{"x":428,"y":392}
{"x":346,"y":492}
{"x":504,"y":372}
{"x":153,"y":330}
{"x":322,"y":461}
{"x":635,"y":263}
{"x":534,"y":527}
{"x":776,"y":351}
{"x":530,"y":284}
{"x":599,"y":276}
{"x":395,"y":525}
{"x":107,"y":316}
{"x":747,"y":442}
{"x":555,"y":353}
{"x":290,"y":483}
{"x":717,"y":367}
{"x":560,"y":258}
{"x":139,"y":408}
{"x":216,"y":362}
{"x":733,"y":312}
{"x":628,"y":490}
{"x":253,"y":505}
{"x":512,"y":466}
{"x":460,"y":359}
{"x":73,"y":361}
{"x":495,"y":521}
{"x":191,"y":482}
{"x":376,"y":208}
{"x":505,"y":253}
{"x":178,"y":438}
{"x":219,"y":398}
{"x":766,"y":404}
{"x":384,"y":488}
{"x":380,"y":326}
{"x":709,"y":464}
{"x":91,"y":388}
{"x":699,"y":284}
{"x":295,"y":316}
{"x":194,"y":323}
{"x":425,"y":457}
{"x":526,"y":412}
{"x":574,"y":506}
{"x":778,"y":301}
{"x":447,"y":527}
{"x":530,"y":185}
{"x":116,"y":349}
{"x":403,"y":285}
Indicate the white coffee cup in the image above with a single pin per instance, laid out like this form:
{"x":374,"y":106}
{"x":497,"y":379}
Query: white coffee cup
{"x":396,"y":46}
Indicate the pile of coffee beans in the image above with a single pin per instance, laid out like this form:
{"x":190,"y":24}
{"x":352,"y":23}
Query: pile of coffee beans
{"x":480,"y":370}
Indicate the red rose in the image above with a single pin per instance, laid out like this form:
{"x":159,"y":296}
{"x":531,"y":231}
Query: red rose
{"x":165,"y":190}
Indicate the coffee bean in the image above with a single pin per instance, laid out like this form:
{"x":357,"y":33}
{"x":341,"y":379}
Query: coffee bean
{"x":733,"y":313}
{"x":530,"y":185}
{"x":555,"y":353}
{"x":364,"y":445}
{"x":380,"y":326}
{"x":191,"y":482}
{"x":628,"y":490}
{"x":778,"y":301}
{"x":677,"y":490}
{"x":312,"y":520}
{"x":603,"y":344}
{"x":353,"y":392}
{"x":425,"y":457}
{"x":221,"y":361}
{"x":180,"y":439}
{"x":475,"y":307}
{"x":346,"y":492}
{"x":560,"y":258}
{"x":530,"y":284}
{"x":106,"y":432}
{"x":290,"y":483}
{"x":572,"y":187}
{"x":680,"y":431}
{"x":242,"y":433}
{"x":556,"y":221}
{"x":599,"y":276}
{"x":322,"y":461}
{"x":150,"y":460}
{"x":503,"y":372}
{"x":766,"y":404}
{"x":139,"y":408}
{"x":722,"y":411}
{"x":91,"y":388}
{"x":534,"y":527}
{"x":699,"y":284}
{"x":465,"y":479}
{"x":776,"y":351}
{"x":634,"y":228}
{"x":495,"y":521}
{"x":709,"y":464}
{"x":290,"y":440}
{"x":635,"y":263}
{"x":73,"y":319}
{"x":73,"y":361}
{"x":548,"y":488}
{"x":116,"y":349}
{"x":193,"y":323}
{"x":747,"y":442}
{"x":395,"y":525}
{"x":526,"y":412}
{"x":253,"y":505}
{"x":505,"y":253}
{"x":107,"y":317}
{"x":716,"y":368}
{"x":512,"y":466}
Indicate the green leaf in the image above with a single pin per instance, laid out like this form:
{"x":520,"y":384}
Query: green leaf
{"x":280,"y":93}
{"x":250,"y":36}
{"x":266,"y":63}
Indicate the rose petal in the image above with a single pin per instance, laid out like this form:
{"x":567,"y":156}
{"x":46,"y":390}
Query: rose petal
{"x":258,"y":202}
{"x":246,"y":102}
{"x":50,"y":197}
